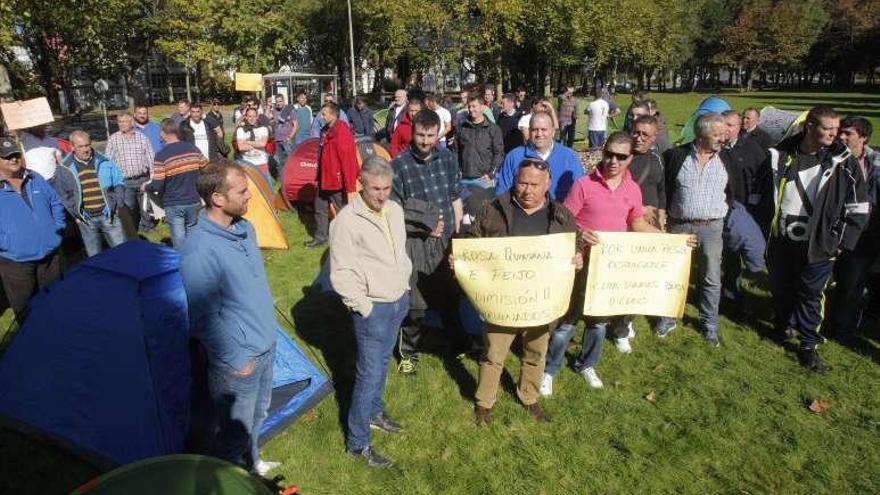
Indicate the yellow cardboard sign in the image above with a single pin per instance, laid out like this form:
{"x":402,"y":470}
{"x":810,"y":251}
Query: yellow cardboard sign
{"x":633,"y":273}
{"x":517,"y":281}
{"x":248,"y":81}
{"x":23,"y":114}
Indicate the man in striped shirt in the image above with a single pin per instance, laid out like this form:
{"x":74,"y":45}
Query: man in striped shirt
{"x":132,"y":153}
{"x":175,"y":171}
{"x":95,"y":196}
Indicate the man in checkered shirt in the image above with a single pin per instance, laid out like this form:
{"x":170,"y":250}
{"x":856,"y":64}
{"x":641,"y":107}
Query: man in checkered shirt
{"x":426,"y":186}
{"x":132,"y":153}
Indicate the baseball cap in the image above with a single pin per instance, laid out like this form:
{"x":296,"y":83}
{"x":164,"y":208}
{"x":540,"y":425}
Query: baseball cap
{"x":9,"y":147}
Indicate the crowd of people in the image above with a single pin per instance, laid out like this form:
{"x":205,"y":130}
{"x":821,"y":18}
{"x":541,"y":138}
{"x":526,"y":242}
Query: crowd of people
{"x":798,"y":210}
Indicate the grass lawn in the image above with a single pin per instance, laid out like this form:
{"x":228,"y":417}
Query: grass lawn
{"x":676,"y":416}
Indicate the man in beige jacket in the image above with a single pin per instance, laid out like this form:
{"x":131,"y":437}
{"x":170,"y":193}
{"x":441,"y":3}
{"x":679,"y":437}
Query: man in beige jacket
{"x":370,"y":270}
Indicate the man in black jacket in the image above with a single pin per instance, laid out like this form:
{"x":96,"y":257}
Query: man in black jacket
{"x":479,"y":144}
{"x":202,"y":132}
{"x":361,"y":118}
{"x":744,"y":240}
{"x":821,"y":208}
{"x":750,"y":118}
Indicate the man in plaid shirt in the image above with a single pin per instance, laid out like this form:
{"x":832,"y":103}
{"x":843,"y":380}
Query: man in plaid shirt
{"x":426,"y":186}
{"x":133,"y":154}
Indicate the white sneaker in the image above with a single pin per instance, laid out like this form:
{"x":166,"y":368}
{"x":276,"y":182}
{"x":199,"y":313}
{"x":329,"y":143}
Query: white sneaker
{"x":622,"y":345}
{"x":632,"y":330}
{"x":546,"y":388}
{"x":592,"y":378}
{"x":263,"y":467}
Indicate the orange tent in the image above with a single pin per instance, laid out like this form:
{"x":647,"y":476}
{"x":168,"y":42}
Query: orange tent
{"x":261,"y":211}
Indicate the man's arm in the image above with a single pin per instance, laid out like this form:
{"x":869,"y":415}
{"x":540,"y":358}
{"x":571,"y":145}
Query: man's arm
{"x":497,"y":149}
{"x":345,"y":276}
{"x":639,"y":224}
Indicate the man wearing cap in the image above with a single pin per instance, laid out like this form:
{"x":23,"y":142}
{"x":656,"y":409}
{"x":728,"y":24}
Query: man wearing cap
{"x":31,"y":223}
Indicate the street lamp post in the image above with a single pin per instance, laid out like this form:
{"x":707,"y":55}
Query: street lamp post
{"x":351,"y":48}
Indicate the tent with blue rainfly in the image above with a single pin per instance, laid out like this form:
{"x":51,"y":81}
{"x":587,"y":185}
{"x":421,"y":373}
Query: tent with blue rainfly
{"x":101,"y":365}
{"x":711,"y":104}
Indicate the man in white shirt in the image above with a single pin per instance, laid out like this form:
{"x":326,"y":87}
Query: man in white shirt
{"x":251,"y":139}
{"x":598,"y":124}
{"x":445,"y":117}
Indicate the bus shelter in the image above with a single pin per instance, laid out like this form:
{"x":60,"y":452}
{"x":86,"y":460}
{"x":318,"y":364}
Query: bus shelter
{"x":289,"y":84}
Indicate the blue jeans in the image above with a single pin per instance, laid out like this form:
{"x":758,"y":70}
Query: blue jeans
{"x":180,"y":220}
{"x":99,"y":228}
{"x":282,"y":149}
{"x":710,"y":236}
{"x":240,"y":405}
{"x":375,"y":336}
{"x":596,"y":138}
{"x":566,"y":134}
{"x":591,"y":344}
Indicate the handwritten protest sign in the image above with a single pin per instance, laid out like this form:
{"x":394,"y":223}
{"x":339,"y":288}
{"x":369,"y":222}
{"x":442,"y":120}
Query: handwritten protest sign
{"x":517,"y":281}
{"x":247,"y":81}
{"x":27,"y":113}
{"x":638,"y":274}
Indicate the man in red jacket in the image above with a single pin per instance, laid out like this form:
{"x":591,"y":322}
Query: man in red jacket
{"x":402,"y":136}
{"x":337,"y":171}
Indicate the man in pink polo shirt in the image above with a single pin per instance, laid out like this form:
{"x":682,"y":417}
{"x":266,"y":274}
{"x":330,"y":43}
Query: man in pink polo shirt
{"x":607,"y":200}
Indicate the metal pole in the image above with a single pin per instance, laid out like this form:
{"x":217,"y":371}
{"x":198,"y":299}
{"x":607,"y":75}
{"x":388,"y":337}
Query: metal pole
{"x":351,"y":47}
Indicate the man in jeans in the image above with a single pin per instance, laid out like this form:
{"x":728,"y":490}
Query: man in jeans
{"x":697,"y":186}
{"x":231,"y":314}
{"x":607,"y":200}
{"x":132,"y":152}
{"x":567,"y":116}
{"x":370,"y":270}
{"x":95,"y":196}
{"x":175,"y":172}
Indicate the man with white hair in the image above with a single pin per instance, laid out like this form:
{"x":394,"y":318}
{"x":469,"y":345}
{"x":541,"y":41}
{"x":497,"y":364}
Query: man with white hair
{"x":132,"y":152}
{"x":697,"y":184}
{"x":370,"y":270}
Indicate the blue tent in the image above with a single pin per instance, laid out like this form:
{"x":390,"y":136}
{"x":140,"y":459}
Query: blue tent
{"x":102,"y":363}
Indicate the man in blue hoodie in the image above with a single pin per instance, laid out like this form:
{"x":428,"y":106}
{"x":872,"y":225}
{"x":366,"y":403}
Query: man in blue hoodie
{"x":31,"y":222}
{"x":231,"y":313}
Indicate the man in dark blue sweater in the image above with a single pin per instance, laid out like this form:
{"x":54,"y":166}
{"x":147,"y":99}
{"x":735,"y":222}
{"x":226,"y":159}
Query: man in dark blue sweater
{"x":175,"y":171}
{"x":231,"y":314}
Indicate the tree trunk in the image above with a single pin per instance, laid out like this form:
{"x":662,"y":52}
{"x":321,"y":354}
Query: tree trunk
{"x":186,"y":78}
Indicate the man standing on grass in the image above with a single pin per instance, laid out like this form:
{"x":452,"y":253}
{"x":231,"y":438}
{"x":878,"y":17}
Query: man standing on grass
{"x":853,"y":268}
{"x":370,"y":270}
{"x":565,"y":166}
{"x":597,"y":126}
{"x":202,"y":133}
{"x":284,"y":118}
{"x":98,"y":193}
{"x":337,"y":171}
{"x":143,"y":124}
{"x":132,"y":152}
{"x":31,"y":220}
{"x":607,"y":200}
{"x":426,"y":185}
{"x":821,"y":209}
{"x":175,"y":172}
{"x":646,"y":169}
{"x":697,"y":182}
{"x":231,"y":314}
{"x":567,"y":116}
{"x":524,"y":211}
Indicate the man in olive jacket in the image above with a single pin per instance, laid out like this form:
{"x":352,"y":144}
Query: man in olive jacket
{"x":524,"y":211}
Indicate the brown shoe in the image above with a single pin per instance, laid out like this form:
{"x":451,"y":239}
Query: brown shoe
{"x":483,"y":415}
{"x":537,"y":412}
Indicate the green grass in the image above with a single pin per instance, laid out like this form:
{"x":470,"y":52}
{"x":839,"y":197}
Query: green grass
{"x":728,"y":420}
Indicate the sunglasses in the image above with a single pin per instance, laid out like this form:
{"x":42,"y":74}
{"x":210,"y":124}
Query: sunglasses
{"x":534,"y":162}
{"x":621,"y":157}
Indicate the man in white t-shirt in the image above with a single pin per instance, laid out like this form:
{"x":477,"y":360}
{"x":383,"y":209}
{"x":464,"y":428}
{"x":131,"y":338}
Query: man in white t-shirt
{"x":445,"y":117}
{"x":251,"y":139}
{"x":598,"y":124}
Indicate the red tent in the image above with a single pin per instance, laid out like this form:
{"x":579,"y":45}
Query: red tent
{"x":300,"y":181}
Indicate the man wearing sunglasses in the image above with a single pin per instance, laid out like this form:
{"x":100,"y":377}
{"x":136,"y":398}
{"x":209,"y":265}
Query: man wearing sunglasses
{"x":607,"y":200}
{"x":523,"y":211}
